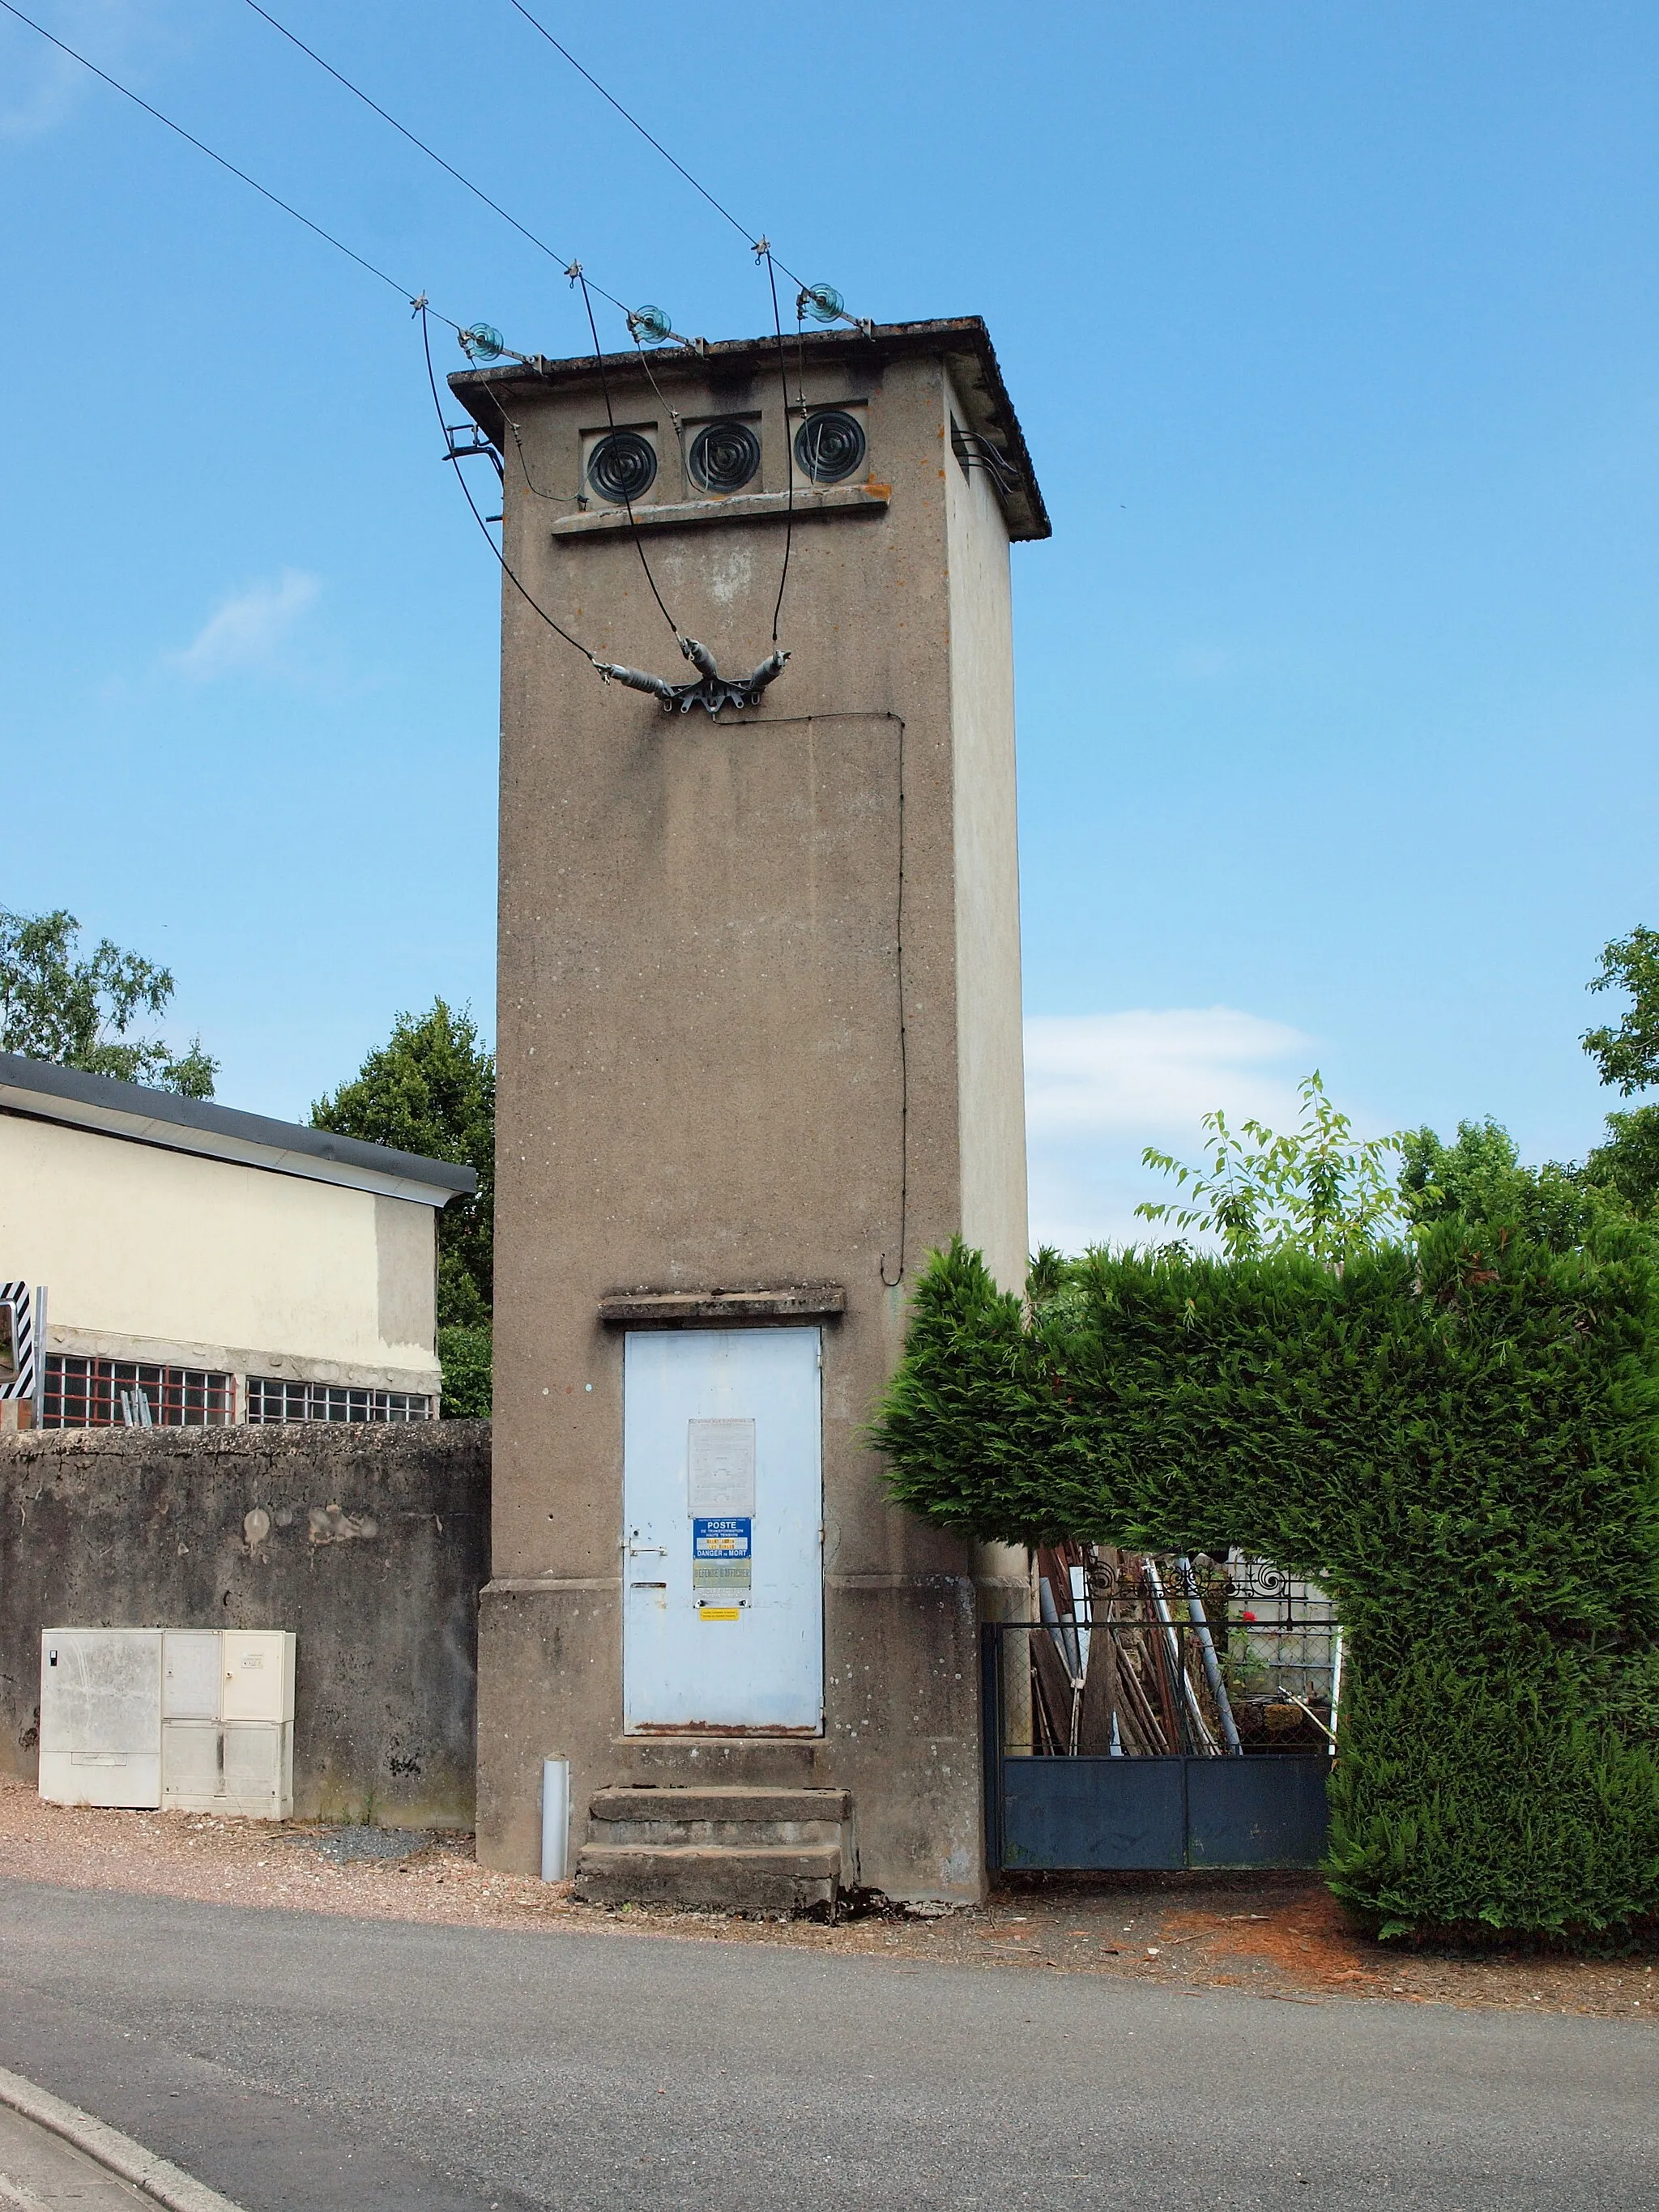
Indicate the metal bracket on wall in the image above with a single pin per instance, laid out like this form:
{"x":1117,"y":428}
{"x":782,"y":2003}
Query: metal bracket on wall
{"x":466,"y":438}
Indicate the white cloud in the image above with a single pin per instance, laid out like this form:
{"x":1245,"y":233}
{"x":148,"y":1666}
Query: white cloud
{"x":1163,"y":1065}
{"x":245,"y":635}
{"x":1100,"y":1087}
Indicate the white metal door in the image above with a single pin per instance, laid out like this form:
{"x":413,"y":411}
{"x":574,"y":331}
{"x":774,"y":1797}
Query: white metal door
{"x":722,"y":1533}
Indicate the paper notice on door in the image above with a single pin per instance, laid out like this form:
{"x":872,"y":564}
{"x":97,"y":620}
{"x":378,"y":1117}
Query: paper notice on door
{"x":722,"y":1463}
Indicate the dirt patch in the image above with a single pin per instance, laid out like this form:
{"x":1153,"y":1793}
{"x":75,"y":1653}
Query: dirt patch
{"x":1306,"y":1939}
{"x":1273,"y":1935}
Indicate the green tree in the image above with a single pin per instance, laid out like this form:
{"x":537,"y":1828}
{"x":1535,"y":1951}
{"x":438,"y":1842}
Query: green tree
{"x":1480,"y":1179}
{"x":1626,"y":1163}
{"x":431,"y":1089}
{"x":1317,"y":1190}
{"x":1628,"y":1055}
{"x":78,"y":1011}
{"x":466,"y":1356}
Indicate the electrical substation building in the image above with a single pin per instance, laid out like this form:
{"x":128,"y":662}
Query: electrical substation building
{"x":759,"y":1054}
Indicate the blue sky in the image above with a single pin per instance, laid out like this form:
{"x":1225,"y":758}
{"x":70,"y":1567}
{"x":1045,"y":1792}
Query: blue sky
{"x":1333,"y":330}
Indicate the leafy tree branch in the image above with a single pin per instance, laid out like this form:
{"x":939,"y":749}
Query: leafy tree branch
{"x":1628,"y":1053}
{"x":79,"y":1012}
{"x":1318,"y":1189}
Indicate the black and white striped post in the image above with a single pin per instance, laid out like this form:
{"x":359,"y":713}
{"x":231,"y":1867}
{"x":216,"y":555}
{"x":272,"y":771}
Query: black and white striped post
{"x":23,"y":1347}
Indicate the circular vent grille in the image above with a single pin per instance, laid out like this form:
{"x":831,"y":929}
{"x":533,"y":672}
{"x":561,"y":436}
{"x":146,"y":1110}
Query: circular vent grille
{"x":724,"y":456}
{"x":829,"y":447}
{"x":622,"y":467}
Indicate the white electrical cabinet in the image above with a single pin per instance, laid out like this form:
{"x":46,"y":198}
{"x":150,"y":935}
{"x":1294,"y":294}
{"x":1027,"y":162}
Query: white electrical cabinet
{"x":227,"y":1722}
{"x":192,"y":1720}
{"x":101,"y":1716}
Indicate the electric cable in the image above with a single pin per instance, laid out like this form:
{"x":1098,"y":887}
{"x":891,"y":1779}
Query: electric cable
{"x":265,"y":192}
{"x":357,"y":93}
{"x":555,"y":498}
{"x":422,"y":305}
{"x":610,"y":418}
{"x":892,"y":1282}
{"x":751,"y":238}
{"x":883,"y":714}
{"x":788,"y":452}
{"x":528,"y":597}
{"x":672,"y":413}
{"x":748,"y":236}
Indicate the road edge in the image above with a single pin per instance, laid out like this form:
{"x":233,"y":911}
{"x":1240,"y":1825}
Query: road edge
{"x":156,"y":2176}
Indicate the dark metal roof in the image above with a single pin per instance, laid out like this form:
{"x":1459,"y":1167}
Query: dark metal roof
{"x":48,"y":1092}
{"x":962,"y":340}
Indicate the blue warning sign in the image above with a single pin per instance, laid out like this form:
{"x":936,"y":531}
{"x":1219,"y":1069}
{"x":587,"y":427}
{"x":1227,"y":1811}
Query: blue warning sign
{"x":721,"y":1552}
{"x":723,"y":1537}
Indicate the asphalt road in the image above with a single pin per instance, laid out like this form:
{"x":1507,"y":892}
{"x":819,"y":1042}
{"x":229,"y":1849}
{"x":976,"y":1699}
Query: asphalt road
{"x":309,"y":2063}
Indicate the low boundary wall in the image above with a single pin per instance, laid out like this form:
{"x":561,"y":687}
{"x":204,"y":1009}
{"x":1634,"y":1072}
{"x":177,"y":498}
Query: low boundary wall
{"x":370,"y":1541}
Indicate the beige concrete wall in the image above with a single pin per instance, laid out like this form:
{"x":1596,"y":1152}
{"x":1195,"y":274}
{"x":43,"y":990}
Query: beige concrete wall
{"x":701,"y":1081}
{"x":148,"y":1253}
{"x":990,"y":1069}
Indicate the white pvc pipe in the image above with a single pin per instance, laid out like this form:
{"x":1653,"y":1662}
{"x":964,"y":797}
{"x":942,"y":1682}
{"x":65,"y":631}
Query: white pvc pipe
{"x":1212,"y":1665}
{"x":1201,"y":1726}
{"x":555,"y":1818}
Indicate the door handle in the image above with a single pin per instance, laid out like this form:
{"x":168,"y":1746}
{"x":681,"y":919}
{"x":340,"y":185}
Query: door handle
{"x":634,"y":1550}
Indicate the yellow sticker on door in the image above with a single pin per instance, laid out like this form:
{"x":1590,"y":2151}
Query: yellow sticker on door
{"x":719,"y":1612}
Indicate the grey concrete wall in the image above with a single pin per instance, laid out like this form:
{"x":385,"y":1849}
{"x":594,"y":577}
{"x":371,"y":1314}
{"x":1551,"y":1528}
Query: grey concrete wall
{"x":702,"y":1079}
{"x":377,"y":1545}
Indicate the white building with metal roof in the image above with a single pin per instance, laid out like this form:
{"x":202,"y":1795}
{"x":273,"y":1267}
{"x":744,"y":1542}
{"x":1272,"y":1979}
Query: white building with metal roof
{"x":204,"y":1266}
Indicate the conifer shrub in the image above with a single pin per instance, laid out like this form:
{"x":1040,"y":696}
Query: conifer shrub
{"x":1456,"y":1439}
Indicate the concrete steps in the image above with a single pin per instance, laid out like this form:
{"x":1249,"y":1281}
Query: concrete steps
{"x":731,"y":1847}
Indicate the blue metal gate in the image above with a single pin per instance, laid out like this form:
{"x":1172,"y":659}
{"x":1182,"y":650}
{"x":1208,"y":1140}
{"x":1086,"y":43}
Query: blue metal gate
{"x":1104,"y":1749}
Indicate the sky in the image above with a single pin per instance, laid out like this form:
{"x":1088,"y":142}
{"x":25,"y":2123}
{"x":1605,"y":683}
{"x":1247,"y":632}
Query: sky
{"x":1333,"y":333}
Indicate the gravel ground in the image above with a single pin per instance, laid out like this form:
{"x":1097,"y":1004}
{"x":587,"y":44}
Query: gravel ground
{"x":1278,"y":1935}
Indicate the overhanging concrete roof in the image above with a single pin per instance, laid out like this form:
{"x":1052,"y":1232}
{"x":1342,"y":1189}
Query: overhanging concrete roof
{"x":962,"y":340}
{"x":46,"y":1092}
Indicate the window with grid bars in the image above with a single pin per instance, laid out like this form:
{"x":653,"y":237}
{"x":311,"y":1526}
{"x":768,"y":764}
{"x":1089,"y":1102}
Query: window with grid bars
{"x":270,"y":1399}
{"x":102,"y":1394}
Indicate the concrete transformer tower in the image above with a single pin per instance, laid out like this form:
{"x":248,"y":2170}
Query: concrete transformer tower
{"x":759,"y":1053}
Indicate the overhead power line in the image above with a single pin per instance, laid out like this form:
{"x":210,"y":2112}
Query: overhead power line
{"x":201,"y":146}
{"x":418,"y":301}
{"x":742,"y":229}
{"x":507,"y":569}
{"x":753,"y":239}
{"x":565,"y":261}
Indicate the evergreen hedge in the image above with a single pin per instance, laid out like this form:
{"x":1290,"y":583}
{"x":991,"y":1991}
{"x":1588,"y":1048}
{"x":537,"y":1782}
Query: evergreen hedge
{"x":1456,"y":1439}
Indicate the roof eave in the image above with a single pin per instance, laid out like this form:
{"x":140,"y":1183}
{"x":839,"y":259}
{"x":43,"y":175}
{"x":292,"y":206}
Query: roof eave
{"x":43,"y":1092}
{"x":960,"y":338}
